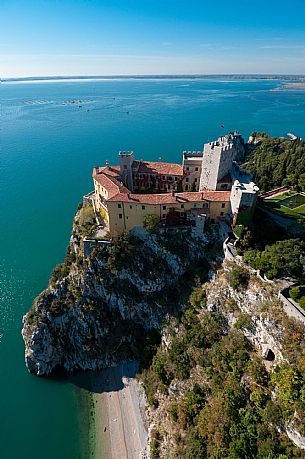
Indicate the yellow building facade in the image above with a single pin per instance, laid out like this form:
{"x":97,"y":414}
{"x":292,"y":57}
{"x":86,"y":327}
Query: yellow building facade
{"x":123,"y":210}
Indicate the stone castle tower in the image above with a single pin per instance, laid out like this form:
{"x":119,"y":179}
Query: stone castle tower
{"x":126,"y":159}
{"x":218,"y":158}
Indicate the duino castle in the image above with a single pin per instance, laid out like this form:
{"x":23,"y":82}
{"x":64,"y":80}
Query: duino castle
{"x":208,"y":185}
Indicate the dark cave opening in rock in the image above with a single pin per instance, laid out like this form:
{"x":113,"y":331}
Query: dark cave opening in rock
{"x":270,"y":356}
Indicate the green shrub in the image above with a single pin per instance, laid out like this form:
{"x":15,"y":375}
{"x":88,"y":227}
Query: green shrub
{"x":151,"y":222}
{"x":194,"y":401}
{"x":32,"y":317}
{"x":173,"y":409}
{"x":86,"y":215}
{"x":301,"y":302}
{"x":244,"y":322}
{"x":179,"y":357}
{"x":239,"y":230}
{"x":154,"y":446}
{"x":294,"y":293}
{"x":238,"y":278}
{"x":198,"y":297}
{"x":195,"y":447}
{"x":159,"y":364}
{"x":59,"y":272}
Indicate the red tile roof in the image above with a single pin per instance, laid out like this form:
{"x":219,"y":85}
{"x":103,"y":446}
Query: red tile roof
{"x":112,"y":185}
{"x":119,"y":193}
{"x":168,"y":198}
{"x":112,"y":171}
{"x":149,"y":167}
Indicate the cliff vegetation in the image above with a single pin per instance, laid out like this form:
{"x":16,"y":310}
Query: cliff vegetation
{"x":104,"y":308}
{"x":276,"y":161}
{"x":214,"y":391}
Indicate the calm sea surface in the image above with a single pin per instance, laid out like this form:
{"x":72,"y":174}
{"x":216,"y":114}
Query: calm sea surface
{"x":48,"y":148}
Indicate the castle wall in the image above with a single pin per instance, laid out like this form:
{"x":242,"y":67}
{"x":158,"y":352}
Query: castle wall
{"x":210,"y":167}
{"x":227,"y":156}
{"x":101,"y":196}
{"x":123,"y":216}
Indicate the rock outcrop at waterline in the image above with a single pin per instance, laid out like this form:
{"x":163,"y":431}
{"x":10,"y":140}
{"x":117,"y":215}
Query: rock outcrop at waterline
{"x":96,"y":310}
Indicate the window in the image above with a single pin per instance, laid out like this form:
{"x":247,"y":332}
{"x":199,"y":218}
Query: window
{"x":143,"y":207}
{"x":223,"y":205}
{"x":119,"y":206}
{"x":196,"y":169}
{"x":120,"y":215}
{"x":176,"y":178}
{"x":126,"y":218}
{"x":187,"y":168}
{"x":186,"y":179}
{"x":169,"y":177}
{"x":163,"y":215}
{"x":186,"y":187}
{"x":195,"y":180}
{"x":164,"y":207}
{"x":163,"y":177}
{"x":182,"y":206}
{"x":221,"y":213}
{"x":125,"y":166}
{"x":130,"y":207}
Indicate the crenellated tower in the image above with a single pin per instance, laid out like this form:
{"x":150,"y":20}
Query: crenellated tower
{"x":218,"y":158}
{"x":126,"y":159}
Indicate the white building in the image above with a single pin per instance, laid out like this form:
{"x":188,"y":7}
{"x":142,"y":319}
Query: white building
{"x":192,"y":163}
{"x":243,"y":198}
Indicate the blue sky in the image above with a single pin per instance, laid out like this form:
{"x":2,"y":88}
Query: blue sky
{"x":44,"y":37}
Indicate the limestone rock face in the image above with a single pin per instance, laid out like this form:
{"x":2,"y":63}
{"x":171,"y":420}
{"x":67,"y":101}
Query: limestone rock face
{"x":264,"y":333}
{"x":88,"y":319}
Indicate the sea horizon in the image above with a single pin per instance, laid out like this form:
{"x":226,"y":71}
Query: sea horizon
{"x":229,"y":76}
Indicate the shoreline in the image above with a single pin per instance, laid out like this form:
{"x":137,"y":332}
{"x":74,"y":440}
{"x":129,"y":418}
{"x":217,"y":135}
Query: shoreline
{"x":118,"y":425}
{"x":85,"y":408}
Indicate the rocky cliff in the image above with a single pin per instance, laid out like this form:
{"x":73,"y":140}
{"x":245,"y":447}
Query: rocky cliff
{"x":177,"y":421}
{"x":98,"y":309}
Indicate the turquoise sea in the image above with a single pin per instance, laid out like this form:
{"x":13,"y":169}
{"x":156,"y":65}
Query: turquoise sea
{"x":48,"y":147}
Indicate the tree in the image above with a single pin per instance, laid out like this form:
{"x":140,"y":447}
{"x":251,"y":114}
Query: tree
{"x":276,"y":162}
{"x":284,"y":258}
{"x":151,"y":222}
{"x":294,"y":293}
{"x":179,"y":357}
{"x":287,"y":382}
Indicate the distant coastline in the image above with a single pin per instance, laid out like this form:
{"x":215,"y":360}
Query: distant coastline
{"x":294,"y":86}
{"x":295,"y":78}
